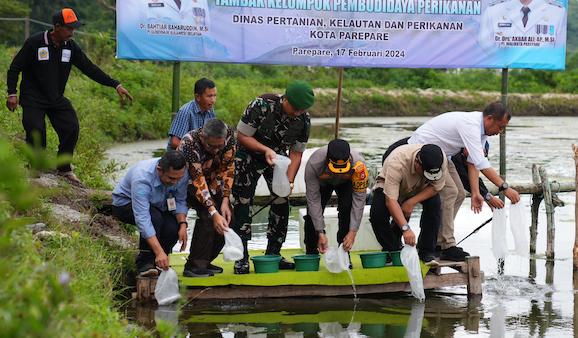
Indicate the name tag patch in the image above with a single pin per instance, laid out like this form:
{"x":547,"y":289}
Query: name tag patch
{"x":156,"y":4}
{"x":43,"y":54}
{"x":504,"y":24}
{"x":65,"y":55}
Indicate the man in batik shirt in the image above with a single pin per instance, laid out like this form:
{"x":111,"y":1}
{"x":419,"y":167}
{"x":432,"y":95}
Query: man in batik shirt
{"x":210,"y":153}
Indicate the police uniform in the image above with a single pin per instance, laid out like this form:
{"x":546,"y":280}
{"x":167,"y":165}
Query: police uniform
{"x":265,"y":120}
{"x":189,"y":12}
{"x":350,"y":187}
{"x":508,"y":23}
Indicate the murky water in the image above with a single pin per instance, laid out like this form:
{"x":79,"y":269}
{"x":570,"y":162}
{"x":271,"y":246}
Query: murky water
{"x":532,"y":299}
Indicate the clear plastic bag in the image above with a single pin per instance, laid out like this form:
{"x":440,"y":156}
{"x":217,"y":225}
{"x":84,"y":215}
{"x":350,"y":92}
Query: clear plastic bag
{"x":336,"y":259}
{"x":410,"y":261}
{"x":167,"y":289}
{"x":499,"y":242}
{"x":280,"y":183}
{"x":519,"y":226}
{"x":233,"y":249}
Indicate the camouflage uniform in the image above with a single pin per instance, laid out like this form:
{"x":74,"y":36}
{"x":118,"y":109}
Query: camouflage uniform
{"x":265,"y":120}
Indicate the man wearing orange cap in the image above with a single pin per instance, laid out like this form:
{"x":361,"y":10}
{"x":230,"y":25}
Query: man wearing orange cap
{"x":45,"y":61}
{"x":334,"y":168}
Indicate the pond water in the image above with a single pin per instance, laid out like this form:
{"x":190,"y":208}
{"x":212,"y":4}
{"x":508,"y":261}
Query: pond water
{"x":533,"y":298}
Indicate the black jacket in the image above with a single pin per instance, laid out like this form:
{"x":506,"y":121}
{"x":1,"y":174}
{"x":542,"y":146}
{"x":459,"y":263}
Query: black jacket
{"x":462,"y":169}
{"x":45,"y":69}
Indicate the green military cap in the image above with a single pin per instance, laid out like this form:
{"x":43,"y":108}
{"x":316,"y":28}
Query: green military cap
{"x":300,"y":95}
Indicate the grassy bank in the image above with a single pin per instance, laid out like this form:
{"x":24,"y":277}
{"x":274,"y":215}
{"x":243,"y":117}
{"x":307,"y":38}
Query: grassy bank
{"x":59,"y":285}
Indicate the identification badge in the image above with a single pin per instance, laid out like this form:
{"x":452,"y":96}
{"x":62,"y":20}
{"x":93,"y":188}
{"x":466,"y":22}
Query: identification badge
{"x":43,"y":54}
{"x":171,"y":204}
{"x":65,"y":55}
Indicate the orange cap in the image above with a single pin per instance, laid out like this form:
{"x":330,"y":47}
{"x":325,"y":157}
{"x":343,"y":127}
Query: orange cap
{"x":67,"y":17}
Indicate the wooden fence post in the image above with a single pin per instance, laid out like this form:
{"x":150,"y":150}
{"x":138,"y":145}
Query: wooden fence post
{"x":536,"y":200}
{"x":550,"y":227}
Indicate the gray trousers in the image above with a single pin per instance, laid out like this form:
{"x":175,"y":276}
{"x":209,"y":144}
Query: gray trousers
{"x":452,"y":195}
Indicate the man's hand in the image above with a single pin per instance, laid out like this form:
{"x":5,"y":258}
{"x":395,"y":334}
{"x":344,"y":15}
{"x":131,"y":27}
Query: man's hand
{"x":407,"y":208}
{"x":162,"y":261}
{"x":226,"y":210}
{"x":183,"y":236}
{"x":348,"y":240}
{"x":12,"y":103}
{"x":220,"y":223}
{"x":512,"y":195}
{"x":409,"y":237}
{"x":495,"y":203}
{"x":477,"y":202}
{"x":270,"y":155}
{"x":124,"y":94}
{"x":322,"y":244}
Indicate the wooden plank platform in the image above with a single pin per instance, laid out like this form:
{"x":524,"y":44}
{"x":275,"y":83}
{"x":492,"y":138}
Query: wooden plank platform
{"x":467,"y":273}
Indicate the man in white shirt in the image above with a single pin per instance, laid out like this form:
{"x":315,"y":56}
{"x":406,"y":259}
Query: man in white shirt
{"x":452,"y":132}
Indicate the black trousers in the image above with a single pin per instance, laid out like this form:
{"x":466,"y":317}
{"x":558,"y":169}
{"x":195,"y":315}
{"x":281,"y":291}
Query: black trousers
{"x":64,"y":121}
{"x":206,"y":242}
{"x":344,"y":202}
{"x":166,"y":228}
{"x":389,"y":234}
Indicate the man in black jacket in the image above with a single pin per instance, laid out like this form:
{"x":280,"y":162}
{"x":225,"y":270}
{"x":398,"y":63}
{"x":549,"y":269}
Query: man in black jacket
{"x":45,"y":61}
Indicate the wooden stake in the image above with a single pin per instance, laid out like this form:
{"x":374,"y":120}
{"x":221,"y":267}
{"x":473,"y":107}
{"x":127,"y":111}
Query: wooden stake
{"x":575,"y":250}
{"x":474,"y":276}
{"x":550,"y":227}
{"x":338,"y":106}
{"x":536,"y":200}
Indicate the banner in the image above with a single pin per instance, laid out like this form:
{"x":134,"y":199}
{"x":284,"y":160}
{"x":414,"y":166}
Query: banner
{"x":347,"y":33}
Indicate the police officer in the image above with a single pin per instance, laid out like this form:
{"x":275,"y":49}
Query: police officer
{"x":334,"y":168}
{"x":523,"y":23}
{"x":272,"y":124}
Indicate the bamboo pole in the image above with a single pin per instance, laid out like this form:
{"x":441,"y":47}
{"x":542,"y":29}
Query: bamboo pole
{"x":504,"y":99}
{"x":536,"y":200}
{"x":575,"y":250}
{"x":338,"y":105}
{"x":550,"y":227}
{"x":176,"y":87}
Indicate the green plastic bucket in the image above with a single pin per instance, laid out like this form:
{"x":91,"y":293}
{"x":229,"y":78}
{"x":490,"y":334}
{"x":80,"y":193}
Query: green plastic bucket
{"x":306,"y":262}
{"x":395,"y":258}
{"x":371,"y":260}
{"x":266,"y":263}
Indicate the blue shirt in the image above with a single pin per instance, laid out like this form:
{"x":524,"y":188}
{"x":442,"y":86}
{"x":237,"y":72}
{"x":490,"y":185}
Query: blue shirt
{"x":142,"y":187}
{"x":189,"y":117}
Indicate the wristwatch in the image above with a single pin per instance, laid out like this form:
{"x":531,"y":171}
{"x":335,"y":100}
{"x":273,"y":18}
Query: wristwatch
{"x":504,"y":186}
{"x":321,"y":232}
{"x":405,"y":227}
{"x":488,"y":196}
{"x":185,"y":223}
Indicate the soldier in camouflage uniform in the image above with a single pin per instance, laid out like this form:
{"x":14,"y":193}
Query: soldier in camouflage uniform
{"x":272,"y":124}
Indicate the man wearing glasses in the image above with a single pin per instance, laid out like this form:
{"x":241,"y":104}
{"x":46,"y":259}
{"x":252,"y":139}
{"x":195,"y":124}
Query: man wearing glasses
{"x":209,"y":152}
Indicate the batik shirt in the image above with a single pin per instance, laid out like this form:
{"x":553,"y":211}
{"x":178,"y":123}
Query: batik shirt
{"x":265,"y":120}
{"x":211,"y":175}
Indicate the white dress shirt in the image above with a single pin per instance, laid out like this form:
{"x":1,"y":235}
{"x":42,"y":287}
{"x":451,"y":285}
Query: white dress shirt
{"x":454,"y":131}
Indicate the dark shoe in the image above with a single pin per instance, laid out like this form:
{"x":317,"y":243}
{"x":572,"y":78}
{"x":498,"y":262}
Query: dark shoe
{"x":429,"y":260}
{"x":214,"y":268}
{"x":454,"y":254}
{"x":148,"y":270}
{"x":286,"y":265}
{"x":197,"y":272}
{"x":241,"y":267}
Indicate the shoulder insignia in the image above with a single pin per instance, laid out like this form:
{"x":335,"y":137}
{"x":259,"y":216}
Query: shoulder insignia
{"x":360,"y":177}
